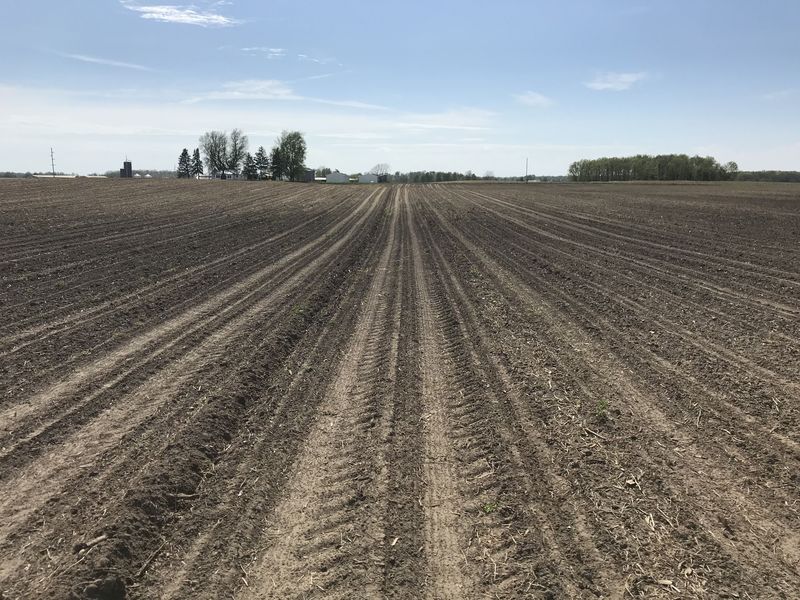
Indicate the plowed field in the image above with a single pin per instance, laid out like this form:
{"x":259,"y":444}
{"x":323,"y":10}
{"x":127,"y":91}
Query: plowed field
{"x":231,"y":389}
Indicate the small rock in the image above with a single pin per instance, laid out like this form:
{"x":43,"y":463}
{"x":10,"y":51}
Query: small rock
{"x":109,"y":588}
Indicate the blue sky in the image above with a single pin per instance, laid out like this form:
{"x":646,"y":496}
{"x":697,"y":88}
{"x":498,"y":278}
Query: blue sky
{"x":440,"y":84}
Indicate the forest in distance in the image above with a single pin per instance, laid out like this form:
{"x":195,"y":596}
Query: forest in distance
{"x":664,"y":167}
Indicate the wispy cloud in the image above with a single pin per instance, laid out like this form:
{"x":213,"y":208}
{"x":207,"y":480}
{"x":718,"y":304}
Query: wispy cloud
{"x":780,"y":95}
{"x":615,"y":82}
{"x":534,"y":99}
{"x":249,"y":89}
{"x":316,"y":77}
{"x":465,"y":119}
{"x":270,"y":53}
{"x":184,"y":14}
{"x":347,"y":103}
{"x":105,"y":61}
{"x":319,"y":61}
{"x":271,"y":89}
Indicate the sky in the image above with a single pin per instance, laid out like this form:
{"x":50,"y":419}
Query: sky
{"x":449,"y":85}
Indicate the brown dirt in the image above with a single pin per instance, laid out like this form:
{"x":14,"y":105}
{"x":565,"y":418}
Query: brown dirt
{"x":223,"y":389}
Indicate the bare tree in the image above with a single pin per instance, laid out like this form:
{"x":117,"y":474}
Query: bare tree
{"x":214,"y":144}
{"x":237,"y":150}
{"x":380,"y":169}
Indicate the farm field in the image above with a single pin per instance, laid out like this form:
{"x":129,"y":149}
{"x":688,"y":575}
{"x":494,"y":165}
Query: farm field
{"x":231,"y":389}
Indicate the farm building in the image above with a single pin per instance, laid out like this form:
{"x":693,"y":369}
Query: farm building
{"x":368,"y":178}
{"x":126,"y":170}
{"x":337,"y":177}
{"x":308,"y":176}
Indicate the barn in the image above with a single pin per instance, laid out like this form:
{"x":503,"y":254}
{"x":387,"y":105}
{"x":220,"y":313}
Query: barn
{"x":368,"y":178}
{"x":337,"y":177}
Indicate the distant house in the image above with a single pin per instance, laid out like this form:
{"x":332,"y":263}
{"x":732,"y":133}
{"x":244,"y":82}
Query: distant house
{"x":337,"y":177}
{"x":368,"y":178}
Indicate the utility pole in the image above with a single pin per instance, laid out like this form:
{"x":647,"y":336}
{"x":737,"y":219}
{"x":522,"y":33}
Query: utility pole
{"x":52,"y":161}
{"x":526,"y":170}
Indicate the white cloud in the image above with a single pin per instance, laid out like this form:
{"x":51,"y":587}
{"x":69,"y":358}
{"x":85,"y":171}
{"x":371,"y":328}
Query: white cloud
{"x":534,"y":99}
{"x":187,"y":15}
{"x":270,"y":53}
{"x":615,"y":82}
{"x":105,"y":61}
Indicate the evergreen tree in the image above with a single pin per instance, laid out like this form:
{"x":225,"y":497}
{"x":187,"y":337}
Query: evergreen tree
{"x":262,"y":162}
{"x":184,"y":165}
{"x":197,"y":164}
{"x":276,"y":163}
{"x":249,"y":170}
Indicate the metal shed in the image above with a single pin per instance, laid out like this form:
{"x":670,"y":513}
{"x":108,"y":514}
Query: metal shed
{"x":337,"y":177}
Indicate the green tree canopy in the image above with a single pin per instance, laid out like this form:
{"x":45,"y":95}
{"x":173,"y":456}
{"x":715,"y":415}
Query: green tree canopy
{"x":664,"y":167}
{"x":291,"y":153}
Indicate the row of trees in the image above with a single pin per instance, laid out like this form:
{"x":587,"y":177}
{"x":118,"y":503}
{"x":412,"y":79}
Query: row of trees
{"x":190,"y":167}
{"x":642,"y":167}
{"x":225,"y":153}
{"x":778,"y":176}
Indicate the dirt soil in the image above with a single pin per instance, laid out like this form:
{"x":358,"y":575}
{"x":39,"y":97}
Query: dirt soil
{"x":227,"y":389}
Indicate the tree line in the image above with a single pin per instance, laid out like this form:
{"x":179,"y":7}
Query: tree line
{"x":776,"y":176}
{"x":642,"y":167}
{"x":227,"y":153}
{"x":433,"y":176}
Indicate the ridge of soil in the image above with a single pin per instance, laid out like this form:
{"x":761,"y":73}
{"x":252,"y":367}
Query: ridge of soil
{"x":262,"y":391}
